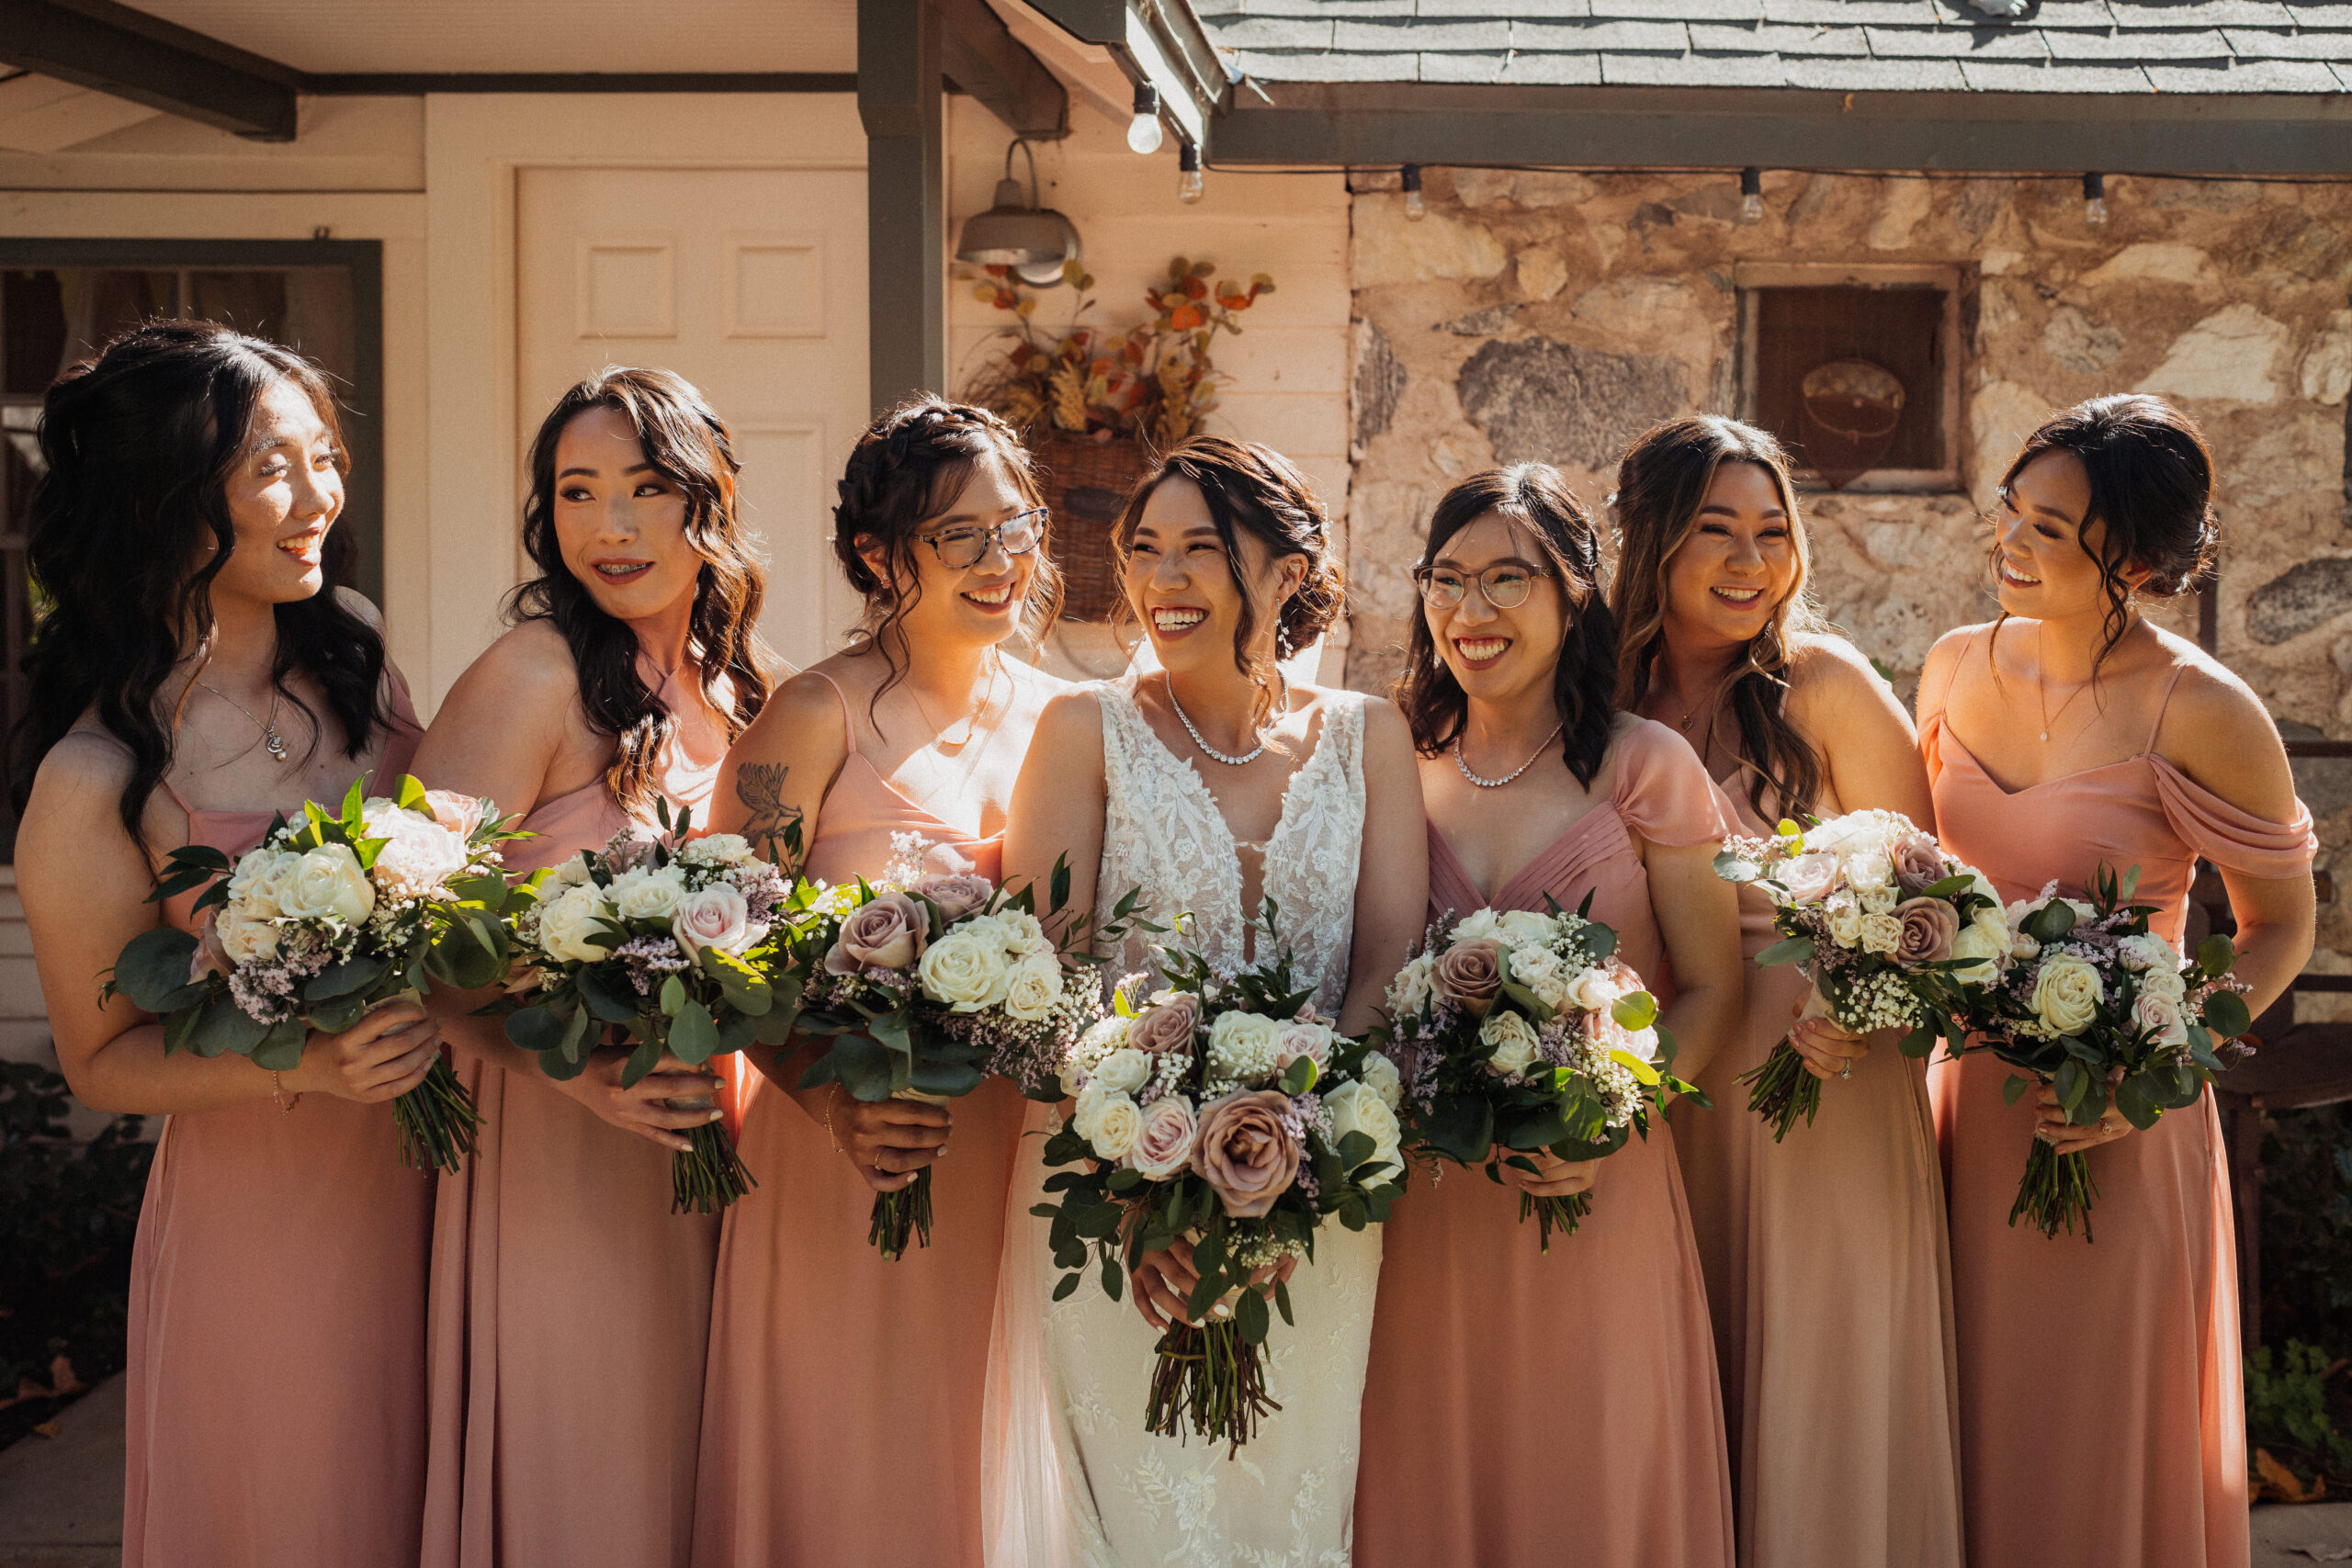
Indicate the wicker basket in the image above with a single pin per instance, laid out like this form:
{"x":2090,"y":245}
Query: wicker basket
{"x":1086,"y":483}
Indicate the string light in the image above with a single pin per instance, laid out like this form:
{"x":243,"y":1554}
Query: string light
{"x":1143,"y":131}
{"x":1411,"y":177}
{"x":1188,"y":174}
{"x":1751,"y":196}
{"x":2094,"y":199}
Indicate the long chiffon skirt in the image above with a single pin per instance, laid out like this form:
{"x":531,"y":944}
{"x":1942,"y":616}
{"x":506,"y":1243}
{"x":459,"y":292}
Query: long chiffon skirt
{"x":1830,"y":1278}
{"x":277,"y":1345}
{"x":570,"y":1310}
{"x":2140,"y":1463}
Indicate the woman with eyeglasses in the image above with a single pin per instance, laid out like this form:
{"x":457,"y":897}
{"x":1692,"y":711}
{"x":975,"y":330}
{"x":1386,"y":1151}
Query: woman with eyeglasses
{"x":842,"y":1418}
{"x":1826,"y":1255}
{"x":1527,"y":1407}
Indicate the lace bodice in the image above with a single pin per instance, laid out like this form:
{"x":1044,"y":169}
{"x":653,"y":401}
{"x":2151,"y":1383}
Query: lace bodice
{"x":1162,"y":833}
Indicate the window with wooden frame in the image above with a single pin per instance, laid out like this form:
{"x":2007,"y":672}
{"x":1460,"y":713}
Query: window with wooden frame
{"x":1856,"y":369}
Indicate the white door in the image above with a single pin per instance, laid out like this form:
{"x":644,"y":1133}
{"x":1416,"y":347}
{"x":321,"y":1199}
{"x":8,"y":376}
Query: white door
{"x":750,"y":283}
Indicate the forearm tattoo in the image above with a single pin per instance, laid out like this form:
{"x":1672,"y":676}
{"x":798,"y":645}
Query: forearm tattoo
{"x":771,"y":827}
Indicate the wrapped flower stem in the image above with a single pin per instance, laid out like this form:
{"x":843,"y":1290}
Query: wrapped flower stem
{"x":2057,"y":1190}
{"x":1782,"y":1090}
{"x":1210,"y":1377}
{"x":708,"y":1176}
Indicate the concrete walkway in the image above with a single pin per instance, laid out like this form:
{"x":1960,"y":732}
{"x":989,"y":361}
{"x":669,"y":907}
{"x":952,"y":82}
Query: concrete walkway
{"x":2294,"y":1534}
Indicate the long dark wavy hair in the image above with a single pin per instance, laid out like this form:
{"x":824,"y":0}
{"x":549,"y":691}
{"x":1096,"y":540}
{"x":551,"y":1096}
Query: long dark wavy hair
{"x":2152,"y":490}
{"x":689,"y":446}
{"x":1661,"y":484}
{"x":906,"y":470}
{"x":1535,"y":499}
{"x":1256,"y":490}
{"x":129,"y":527}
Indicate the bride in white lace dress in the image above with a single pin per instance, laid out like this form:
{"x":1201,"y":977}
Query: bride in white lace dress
{"x":1213,"y":785}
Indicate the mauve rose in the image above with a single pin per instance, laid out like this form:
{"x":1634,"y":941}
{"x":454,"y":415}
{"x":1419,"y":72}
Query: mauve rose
{"x":462,"y":813}
{"x":1917,"y":860}
{"x":209,"y":958}
{"x":1166,"y":1026}
{"x":716,"y":917}
{"x":955,"y":896}
{"x":1164,"y":1143}
{"x":1929,"y":927}
{"x":1808,"y":878}
{"x":1470,"y":974}
{"x":1245,"y":1153}
{"x":885,"y":934}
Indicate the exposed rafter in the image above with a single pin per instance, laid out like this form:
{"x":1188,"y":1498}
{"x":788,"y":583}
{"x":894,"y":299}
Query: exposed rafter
{"x":94,"y":43}
{"x":982,"y":57}
{"x":1155,"y":41}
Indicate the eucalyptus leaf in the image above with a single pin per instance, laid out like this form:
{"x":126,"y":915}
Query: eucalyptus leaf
{"x":153,"y":970}
{"x":1250,"y":1317}
{"x":280,"y":1050}
{"x":694,"y":1034}
{"x":351,"y":975}
{"x":1787,"y":950}
{"x":223,"y":1027}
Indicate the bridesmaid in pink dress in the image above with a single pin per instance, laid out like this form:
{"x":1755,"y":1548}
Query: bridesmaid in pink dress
{"x":570,"y":1305}
{"x":276,"y":1343}
{"x":841,"y":1415}
{"x":1525,"y":1407}
{"x":1825,"y":1253}
{"x":2102,"y":1422}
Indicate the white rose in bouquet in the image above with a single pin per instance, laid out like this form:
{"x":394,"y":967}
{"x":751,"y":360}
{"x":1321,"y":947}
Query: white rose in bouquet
{"x":1525,"y":928}
{"x":1243,"y":1047}
{"x":716,"y":848}
{"x":567,"y":924}
{"x":2146,"y":952}
{"x":967,"y":969}
{"x":1023,"y":935}
{"x":1109,"y":1120}
{"x":717,"y":916}
{"x":419,"y":855}
{"x":1409,"y":991}
{"x":1356,"y":1107}
{"x":1124,"y":1071}
{"x":1479,"y":925}
{"x":1985,"y":943}
{"x":648,"y":895}
{"x":1311,"y":1040}
{"x":1381,"y":1076}
{"x":2163,"y":1014}
{"x":1881,"y":933}
{"x":327,"y":884}
{"x":1513,"y":1040}
{"x":2066,"y":994}
{"x":1593,"y":990}
{"x":1101,"y":1039}
{"x":1844,"y":912}
{"x":2164,"y":982}
{"x":1035,"y":986}
{"x":1541,"y":971}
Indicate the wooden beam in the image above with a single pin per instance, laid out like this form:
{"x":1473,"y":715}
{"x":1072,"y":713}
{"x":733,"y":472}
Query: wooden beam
{"x":113,"y":49}
{"x":984,"y":58}
{"x":898,"y":99}
{"x":415,"y":84}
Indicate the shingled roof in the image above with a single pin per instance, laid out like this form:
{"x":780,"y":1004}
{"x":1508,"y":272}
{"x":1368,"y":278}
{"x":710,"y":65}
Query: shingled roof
{"x":1941,"y":46}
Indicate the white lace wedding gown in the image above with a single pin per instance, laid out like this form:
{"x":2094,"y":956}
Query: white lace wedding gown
{"x":1073,"y":1479}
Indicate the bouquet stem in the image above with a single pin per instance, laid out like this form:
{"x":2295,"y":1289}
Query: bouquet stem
{"x":2057,"y":1190}
{"x":708,"y":1176}
{"x":437,"y":1121}
{"x":902,"y":1218}
{"x":1208,"y":1376}
{"x":1555,"y":1214}
{"x":1782,"y":1090}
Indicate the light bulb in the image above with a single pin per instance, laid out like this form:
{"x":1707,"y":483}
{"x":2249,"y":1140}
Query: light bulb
{"x":1751,"y":196}
{"x":2094,"y":199}
{"x":1143,"y":131}
{"x":1410,"y":176}
{"x":1188,"y":174}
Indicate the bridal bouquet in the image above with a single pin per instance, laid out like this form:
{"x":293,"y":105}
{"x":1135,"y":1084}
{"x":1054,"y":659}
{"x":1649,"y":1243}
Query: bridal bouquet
{"x":1221,"y":1110}
{"x":928,"y":987}
{"x":1893,"y":933}
{"x":326,"y":919}
{"x":2096,"y":1004}
{"x":672,"y":938}
{"x":1515,"y":1031}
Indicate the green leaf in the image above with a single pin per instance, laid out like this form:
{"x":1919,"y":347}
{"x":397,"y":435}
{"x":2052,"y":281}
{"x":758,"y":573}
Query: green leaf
{"x":2050,"y":922}
{"x":1919,"y":1042}
{"x":534,"y":1029}
{"x":2225,"y":1014}
{"x":1635,"y":1010}
{"x":1300,"y":1077}
{"x":673,"y":995}
{"x":2215,"y":954}
{"x":1643,"y":1072}
{"x":607,"y":994}
{"x":1731,"y":868}
{"x":1281,"y":1301}
{"x":640,"y":1062}
{"x":1113,"y":1282}
{"x":153,"y":970}
{"x":335,"y":1014}
{"x":2135,"y":1105}
{"x":577,"y":1033}
{"x":280,"y":1050}
{"x":1787,"y":950}
{"x":1461,"y":1126}
{"x":222,"y":1026}
{"x":694,"y":1034}
{"x":744,"y":987}
{"x":2073,"y":1083}
{"x":932,"y":1075}
{"x":862,"y":1066}
{"x":1250,"y":1315}
{"x":2013,"y":1088}
{"x":343,"y":979}
{"x":1068,"y":1283}
{"x":1355,"y":1148}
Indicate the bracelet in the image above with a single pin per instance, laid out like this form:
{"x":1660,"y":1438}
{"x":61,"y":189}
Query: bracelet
{"x":831,"y":1094}
{"x":277,"y":1094}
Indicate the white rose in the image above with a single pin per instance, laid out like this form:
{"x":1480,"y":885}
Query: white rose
{"x":418,"y":855}
{"x":1358,"y":1108}
{"x":1844,"y":916}
{"x":718,"y":848}
{"x":567,"y":924}
{"x":1021,"y":932}
{"x":1297,"y":1039}
{"x":573,"y":873}
{"x":2146,"y":952}
{"x":2066,"y":994}
{"x":2161,"y":1013}
{"x":1514,"y":1041}
{"x":1109,"y":1120}
{"x":329,"y":885}
{"x":1034,"y":987}
{"x":1870,"y":871}
{"x":965,"y":969}
{"x":1381,"y":1076}
{"x":257,"y":887}
{"x":1541,"y":971}
{"x":246,"y":939}
{"x":1592,"y":990}
{"x":717,"y":916}
{"x":1409,"y":993}
{"x":1104,"y":1036}
{"x":1522,"y":928}
{"x":1881,"y":933}
{"x":1124,"y":1071}
{"x":648,"y":895}
{"x":1882,"y":898}
{"x":1243,"y":1046}
{"x":1984,"y":947}
{"x":2165,"y":982}
{"x":1476,"y":925}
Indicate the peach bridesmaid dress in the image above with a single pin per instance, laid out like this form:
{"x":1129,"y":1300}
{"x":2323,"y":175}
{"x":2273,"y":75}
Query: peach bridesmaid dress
{"x":276,"y":1347}
{"x":570,"y":1305}
{"x":2102,"y":1421}
{"x":841,"y":1414}
{"x":1830,"y":1278}
{"x":1523,"y":1407}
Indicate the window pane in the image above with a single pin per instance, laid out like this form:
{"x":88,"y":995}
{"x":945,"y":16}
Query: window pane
{"x":1901,"y":330}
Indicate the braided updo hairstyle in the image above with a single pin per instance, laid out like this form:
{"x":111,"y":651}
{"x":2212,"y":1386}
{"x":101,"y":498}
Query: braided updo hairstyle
{"x":1257,"y":491}
{"x":1537,"y":500}
{"x":2152,"y":487}
{"x":906,"y":470}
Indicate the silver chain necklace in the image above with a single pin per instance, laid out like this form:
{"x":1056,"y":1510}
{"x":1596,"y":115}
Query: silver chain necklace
{"x":1498,"y":784}
{"x":1186,"y":721}
{"x":270,"y":740}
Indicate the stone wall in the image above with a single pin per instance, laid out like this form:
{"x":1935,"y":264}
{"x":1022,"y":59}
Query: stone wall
{"x":1537,"y":314}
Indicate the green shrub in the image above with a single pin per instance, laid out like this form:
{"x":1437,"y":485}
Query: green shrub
{"x":2286,"y":1412}
{"x":2307,"y":1227}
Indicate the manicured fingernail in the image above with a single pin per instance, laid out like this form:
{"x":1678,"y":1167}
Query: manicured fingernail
{"x":1220,"y":1311}
{"x":713,"y":1116}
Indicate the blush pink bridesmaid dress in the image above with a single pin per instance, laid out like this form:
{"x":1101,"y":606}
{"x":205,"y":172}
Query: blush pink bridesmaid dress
{"x":2102,"y":1420}
{"x":1830,"y":1278}
{"x":570,"y":1305}
{"x":1527,"y":1408}
{"x":277,"y":1346}
{"x":841,"y":1415}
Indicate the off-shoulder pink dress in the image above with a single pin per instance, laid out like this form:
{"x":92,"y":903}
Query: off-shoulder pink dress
{"x":1528,"y":1409}
{"x":841,"y":1415}
{"x":2102,"y":1421}
{"x":570,"y":1305}
{"x":276,"y":1347}
{"x":1830,"y":1278}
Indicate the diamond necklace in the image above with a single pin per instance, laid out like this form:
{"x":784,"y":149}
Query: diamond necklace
{"x":270,"y":741}
{"x":1186,"y":721}
{"x":1498,"y":784}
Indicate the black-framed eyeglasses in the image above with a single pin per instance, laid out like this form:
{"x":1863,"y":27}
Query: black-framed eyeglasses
{"x":967,"y":543}
{"x":1504,"y":586}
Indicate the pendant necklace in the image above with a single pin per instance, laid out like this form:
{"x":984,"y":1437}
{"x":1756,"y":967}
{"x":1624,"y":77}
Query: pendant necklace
{"x":971,"y":720}
{"x":1498,"y":784}
{"x":271,"y":741}
{"x":1186,"y":721}
{"x":2041,"y":691}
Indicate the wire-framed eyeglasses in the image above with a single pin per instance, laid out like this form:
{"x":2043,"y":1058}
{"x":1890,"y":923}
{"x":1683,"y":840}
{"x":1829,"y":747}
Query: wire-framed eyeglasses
{"x":967,"y":543}
{"x":1504,"y":586}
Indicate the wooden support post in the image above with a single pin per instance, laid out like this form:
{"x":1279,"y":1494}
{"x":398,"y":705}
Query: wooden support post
{"x":899,"y":99}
